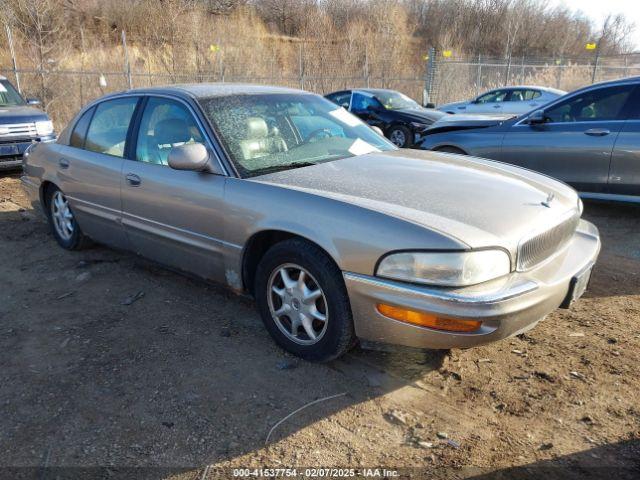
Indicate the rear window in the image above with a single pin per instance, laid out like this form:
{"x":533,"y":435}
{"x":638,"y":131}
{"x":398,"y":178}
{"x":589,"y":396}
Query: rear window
{"x":108,"y":130}
{"x":80,"y":130}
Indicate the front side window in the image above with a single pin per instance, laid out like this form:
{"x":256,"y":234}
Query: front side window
{"x":165,"y":124}
{"x":396,"y":100}
{"x":492,"y":97}
{"x":271,"y":132}
{"x":108,"y":129}
{"x":9,"y":96}
{"x":594,"y":105}
{"x":362,"y":103}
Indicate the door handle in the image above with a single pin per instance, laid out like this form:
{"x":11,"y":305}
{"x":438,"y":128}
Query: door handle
{"x":63,"y":162}
{"x":496,"y":106}
{"x":133,"y":179}
{"x":597,"y":132}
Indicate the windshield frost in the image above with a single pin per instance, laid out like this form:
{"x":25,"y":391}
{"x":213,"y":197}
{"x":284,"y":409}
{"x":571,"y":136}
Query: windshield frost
{"x":272,"y":132}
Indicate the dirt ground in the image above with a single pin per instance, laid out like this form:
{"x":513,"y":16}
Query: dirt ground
{"x":110,"y":361}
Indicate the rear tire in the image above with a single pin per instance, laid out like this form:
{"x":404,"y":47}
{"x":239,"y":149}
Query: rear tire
{"x":400,"y":136}
{"x":63,"y":223}
{"x":293,"y":309}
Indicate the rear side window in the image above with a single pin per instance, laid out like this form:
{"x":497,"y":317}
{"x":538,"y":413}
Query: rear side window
{"x":523,"y":95}
{"x":594,"y":105}
{"x":80,"y":130}
{"x":341,"y":98}
{"x":108,"y":129}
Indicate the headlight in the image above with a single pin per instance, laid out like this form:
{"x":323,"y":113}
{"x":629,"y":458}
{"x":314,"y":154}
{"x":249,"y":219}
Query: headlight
{"x":419,"y":126}
{"x":580,"y":206}
{"x":44,"y":128}
{"x":450,"y":269}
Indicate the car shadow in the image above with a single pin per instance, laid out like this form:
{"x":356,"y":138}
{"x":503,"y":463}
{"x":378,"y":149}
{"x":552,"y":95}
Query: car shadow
{"x":620,"y":461}
{"x":619,"y":227}
{"x":110,"y":360}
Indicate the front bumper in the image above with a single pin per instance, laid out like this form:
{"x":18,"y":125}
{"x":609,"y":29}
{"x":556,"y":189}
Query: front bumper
{"x":12,"y":152}
{"x":506,"y":307}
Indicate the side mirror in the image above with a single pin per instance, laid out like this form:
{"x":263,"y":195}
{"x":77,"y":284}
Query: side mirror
{"x":191,"y":156}
{"x":345,"y":105}
{"x":378,"y":130}
{"x":430,"y":105}
{"x":536,"y":118}
{"x":33,"y":101}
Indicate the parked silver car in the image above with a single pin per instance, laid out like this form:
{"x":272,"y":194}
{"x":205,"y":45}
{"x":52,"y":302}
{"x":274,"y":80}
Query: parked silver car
{"x":517,"y":100}
{"x":337,"y":234}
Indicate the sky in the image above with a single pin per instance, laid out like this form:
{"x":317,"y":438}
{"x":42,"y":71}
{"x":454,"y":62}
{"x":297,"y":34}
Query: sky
{"x":597,"y":10}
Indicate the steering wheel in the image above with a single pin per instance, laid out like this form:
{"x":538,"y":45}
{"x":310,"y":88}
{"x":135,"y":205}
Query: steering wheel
{"x":318,"y":134}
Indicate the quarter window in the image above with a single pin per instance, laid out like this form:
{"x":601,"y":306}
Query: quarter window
{"x":108,"y":130}
{"x":594,"y":105}
{"x":80,"y":130}
{"x":165,"y":124}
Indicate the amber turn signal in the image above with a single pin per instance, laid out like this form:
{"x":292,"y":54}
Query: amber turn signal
{"x":429,"y":320}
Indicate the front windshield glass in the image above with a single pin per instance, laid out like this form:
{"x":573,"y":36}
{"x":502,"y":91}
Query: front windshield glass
{"x":271,"y":132}
{"x":396,"y":100}
{"x":9,"y":97}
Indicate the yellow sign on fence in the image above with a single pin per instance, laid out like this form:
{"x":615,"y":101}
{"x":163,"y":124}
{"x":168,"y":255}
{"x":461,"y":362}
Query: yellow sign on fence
{"x":214,"y":48}
{"x":447,"y":53}
{"x":591,"y":46}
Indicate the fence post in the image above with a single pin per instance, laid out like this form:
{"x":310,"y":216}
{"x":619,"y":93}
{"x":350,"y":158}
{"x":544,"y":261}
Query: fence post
{"x":595,"y":65}
{"x":522,"y":71}
{"x":127,"y":66}
{"x":366,"y":66}
{"x":508,"y":72}
{"x":13,"y":57}
{"x":429,"y":77}
{"x":301,"y":65}
{"x":479,"y":75}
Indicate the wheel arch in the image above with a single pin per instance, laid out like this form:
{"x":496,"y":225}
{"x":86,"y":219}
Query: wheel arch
{"x":259,"y":243}
{"x":444,"y":146}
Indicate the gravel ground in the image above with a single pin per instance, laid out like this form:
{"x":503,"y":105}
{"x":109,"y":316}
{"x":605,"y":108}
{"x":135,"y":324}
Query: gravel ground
{"x":111,"y":361}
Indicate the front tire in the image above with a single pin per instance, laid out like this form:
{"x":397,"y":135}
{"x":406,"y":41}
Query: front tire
{"x":400,"y":136}
{"x":303,"y":302}
{"x":63,"y":223}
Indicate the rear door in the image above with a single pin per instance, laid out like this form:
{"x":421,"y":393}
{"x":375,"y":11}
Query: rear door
{"x":172,"y":216}
{"x":624,"y":175}
{"x":576,"y":141}
{"x":89,"y":168}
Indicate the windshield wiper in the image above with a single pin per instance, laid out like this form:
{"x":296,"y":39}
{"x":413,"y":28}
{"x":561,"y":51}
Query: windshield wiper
{"x":282,"y":166}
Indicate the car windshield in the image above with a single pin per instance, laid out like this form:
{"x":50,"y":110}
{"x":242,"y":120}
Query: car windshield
{"x":9,"y":97}
{"x":271,"y":132}
{"x":396,"y":100}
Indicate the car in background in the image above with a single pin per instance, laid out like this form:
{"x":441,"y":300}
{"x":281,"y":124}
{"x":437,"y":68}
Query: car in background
{"x":338,"y":234}
{"x":589,"y":139}
{"x":516,"y":99}
{"x":401,"y":119}
{"x":21,"y":124}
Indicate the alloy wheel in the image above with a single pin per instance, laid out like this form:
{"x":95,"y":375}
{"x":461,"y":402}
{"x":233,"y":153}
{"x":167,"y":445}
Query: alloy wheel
{"x":398,"y":138}
{"x":63,"y":220}
{"x":297,"y":304}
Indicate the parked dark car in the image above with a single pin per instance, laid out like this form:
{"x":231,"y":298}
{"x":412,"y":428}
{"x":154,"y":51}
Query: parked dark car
{"x":589,"y":139}
{"x":401,"y":119}
{"x":21,"y":124}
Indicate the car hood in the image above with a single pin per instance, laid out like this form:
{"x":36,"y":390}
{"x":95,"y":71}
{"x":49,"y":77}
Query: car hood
{"x":467,"y":121}
{"x":21,"y":114}
{"x":478,"y":202}
{"x":422,"y":115}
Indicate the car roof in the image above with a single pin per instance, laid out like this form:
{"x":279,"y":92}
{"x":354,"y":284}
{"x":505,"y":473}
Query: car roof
{"x":204,"y":90}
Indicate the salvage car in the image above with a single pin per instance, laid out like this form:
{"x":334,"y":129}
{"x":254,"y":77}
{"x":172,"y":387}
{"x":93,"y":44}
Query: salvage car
{"x":21,"y":124}
{"x":400,"y":119}
{"x":517,"y":99}
{"x":589,"y":139}
{"x":336,"y":233}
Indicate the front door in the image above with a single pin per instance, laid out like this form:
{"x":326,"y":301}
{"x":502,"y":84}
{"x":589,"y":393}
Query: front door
{"x":575,"y":142}
{"x":491,"y":102}
{"x":172,"y":216}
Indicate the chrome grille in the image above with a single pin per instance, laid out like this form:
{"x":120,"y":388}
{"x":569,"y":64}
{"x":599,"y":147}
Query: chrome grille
{"x":541,"y":246}
{"x":18,"y":130}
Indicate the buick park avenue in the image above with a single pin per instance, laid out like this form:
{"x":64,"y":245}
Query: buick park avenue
{"x":337,"y":234}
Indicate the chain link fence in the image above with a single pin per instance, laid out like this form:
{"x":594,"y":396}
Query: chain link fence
{"x":435,"y":78}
